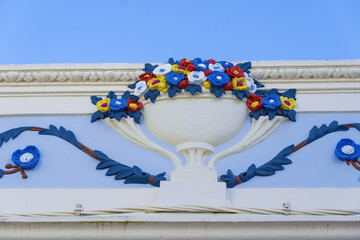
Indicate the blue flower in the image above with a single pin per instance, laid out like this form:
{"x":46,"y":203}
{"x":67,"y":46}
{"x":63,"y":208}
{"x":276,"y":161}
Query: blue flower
{"x":271,"y":102}
{"x":219,"y":79}
{"x":117,"y":104}
{"x":174,"y":78}
{"x":27,"y":158}
{"x":200,"y":65}
{"x":347,"y":149}
{"x":226,"y":64}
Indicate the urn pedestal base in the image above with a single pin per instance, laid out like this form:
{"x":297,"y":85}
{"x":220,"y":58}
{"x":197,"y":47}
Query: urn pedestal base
{"x":192,"y":193}
{"x":193,"y":186}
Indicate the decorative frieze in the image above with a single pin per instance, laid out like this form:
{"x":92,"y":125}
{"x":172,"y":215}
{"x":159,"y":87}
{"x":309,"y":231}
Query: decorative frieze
{"x":68,"y":76}
{"x":261,"y":70}
{"x":306,"y":73}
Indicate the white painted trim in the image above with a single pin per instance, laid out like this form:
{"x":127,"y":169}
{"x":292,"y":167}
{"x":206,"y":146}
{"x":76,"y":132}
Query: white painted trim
{"x":58,"y":202}
{"x":129,"y":214}
{"x":37,"y":220}
{"x":129,"y":228}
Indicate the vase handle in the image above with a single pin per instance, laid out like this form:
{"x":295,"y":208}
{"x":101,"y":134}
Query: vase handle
{"x":260,"y":129}
{"x":132,"y":132}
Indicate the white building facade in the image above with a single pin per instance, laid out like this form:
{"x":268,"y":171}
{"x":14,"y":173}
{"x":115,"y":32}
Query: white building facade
{"x":298,"y":187}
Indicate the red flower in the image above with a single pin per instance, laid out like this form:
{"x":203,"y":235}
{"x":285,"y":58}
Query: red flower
{"x":183,"y":84}
{"x":228,"y":86}
{"x":207,"y":72}
{"x":211,"y":61}
{"x":235,"y":72}
{"x":254,"y":102}
{"x":184,"y":62}
{"x":190,"y":67}
{"x":146,"y":76}
{"x":133,"y":106}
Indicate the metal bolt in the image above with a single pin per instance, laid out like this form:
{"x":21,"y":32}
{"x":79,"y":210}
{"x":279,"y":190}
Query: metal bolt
{"x":287,"y":208}
{"x":78,"y":209}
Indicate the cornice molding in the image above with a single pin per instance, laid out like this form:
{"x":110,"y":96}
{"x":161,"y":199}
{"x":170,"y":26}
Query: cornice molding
{"x":124,"y":72}
{"x":305,"y":70}
{"x":48,"y":88}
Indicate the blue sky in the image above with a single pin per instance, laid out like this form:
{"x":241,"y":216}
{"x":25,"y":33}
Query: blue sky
{"x":79,"y":31}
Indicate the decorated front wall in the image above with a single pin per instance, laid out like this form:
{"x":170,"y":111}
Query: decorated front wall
{"x":283,"y":149}
{"x":62,"y":165}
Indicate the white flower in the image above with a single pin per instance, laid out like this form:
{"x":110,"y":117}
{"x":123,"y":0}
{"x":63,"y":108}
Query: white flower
{"x":216,"y":67}
{"x":162,"y":69}
{"x":250,"y":82}
{"x":196,"y":77}
{"x":140,"y":88}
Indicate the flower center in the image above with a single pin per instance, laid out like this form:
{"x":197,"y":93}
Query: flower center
{"x":26,"y":157}
{"x":139,"y":87}
{"x":236,"y":72}
{"x":133,"y":105}
{"x":181,"y":67}
{"x":196,"y":76}
{"x":239,"y":84}
{"x":156,"y":82}
{"x":104,"y":105}
{"x":254,"y":104}
{"x":162,"y":70}
{"x":216,"y":67}
{"x":118,"y":103}
{"x":218,"y":77}
{"x":175,"y":78}
{"x":287,"y":103}
{"x":146,"y":76}
{"x":348,"y":149}
{"x":271,"y":101}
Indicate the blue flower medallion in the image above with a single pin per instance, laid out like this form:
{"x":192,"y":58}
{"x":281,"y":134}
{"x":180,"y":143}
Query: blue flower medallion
{"x":27,"y":158}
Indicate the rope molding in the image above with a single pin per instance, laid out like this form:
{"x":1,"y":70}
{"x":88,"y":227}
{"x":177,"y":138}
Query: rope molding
{"x":191,"y":209}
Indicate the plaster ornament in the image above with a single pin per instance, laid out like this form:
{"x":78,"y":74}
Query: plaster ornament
{"x":346,"y":149}
{"x":196,"y":77}
{"x":217,"y":67}
{"x":140,"y":88}
{"x":251,"y":84}
{"x":27,"y":158}
{"x":163,"y":69}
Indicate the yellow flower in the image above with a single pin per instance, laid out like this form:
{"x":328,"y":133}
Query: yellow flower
{"x":161,"y":77}
{"x":158,"y":83}
{"x":239,"y":84}
{"x":207,"y":84}
{"x":103,"y":105}
{"x":287,"y":103}
{"x":179,"y":69}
